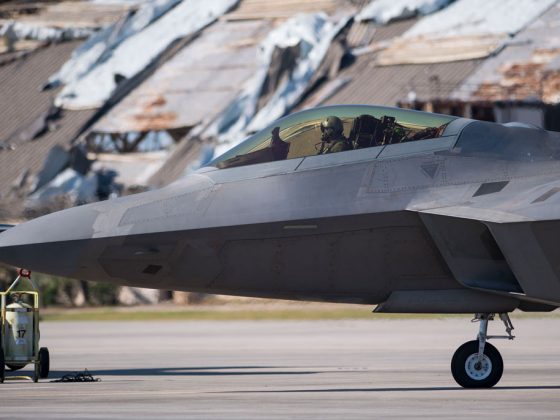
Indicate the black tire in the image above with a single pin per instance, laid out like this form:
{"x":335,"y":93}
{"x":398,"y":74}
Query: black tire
{"x":44,"y":362}
{"x":468,"y":375}
{"x":36,"y":368}
{"x":14,"y":367}
{"x":2,"y":366}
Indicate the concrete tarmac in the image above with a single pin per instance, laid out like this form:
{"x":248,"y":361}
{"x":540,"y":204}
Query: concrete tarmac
{"x":285,"y":369}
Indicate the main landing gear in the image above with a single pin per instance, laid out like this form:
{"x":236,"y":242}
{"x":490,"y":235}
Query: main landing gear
{"x":477,"y":363}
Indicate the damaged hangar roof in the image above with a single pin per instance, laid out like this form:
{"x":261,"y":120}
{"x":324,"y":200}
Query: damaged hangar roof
{"x":134,"y":50}
{"x":66,"y":14}
{"x":389,"y":85}
{"x":528,"y":69}
{"x":432,"y":58}
{"x":467,"y":29}
{"x":209,"y":72}
{"x":25,"y":106}
{"x":199,"y":81}
{"x":282,"y":9}
{"x":365,"y":82}
{"x":29,"y":24}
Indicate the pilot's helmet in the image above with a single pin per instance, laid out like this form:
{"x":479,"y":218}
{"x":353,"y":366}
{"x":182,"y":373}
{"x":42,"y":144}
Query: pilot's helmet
{"x":331,"y":128}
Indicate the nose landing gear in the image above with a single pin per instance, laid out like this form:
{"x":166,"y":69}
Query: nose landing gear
{"x":477,"y":363}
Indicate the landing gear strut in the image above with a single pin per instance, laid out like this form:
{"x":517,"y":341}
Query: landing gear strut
{"x":477,"y":363}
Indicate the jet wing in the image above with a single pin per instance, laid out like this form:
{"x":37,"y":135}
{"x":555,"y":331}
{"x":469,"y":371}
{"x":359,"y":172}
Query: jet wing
{"x":504,"y":241}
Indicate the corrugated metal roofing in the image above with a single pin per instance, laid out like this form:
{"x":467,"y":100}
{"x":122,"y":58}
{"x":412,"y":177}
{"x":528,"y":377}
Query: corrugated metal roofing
{"x":139,"y":46}
{"x":479,"y":17}
{"x":282,"y":9}
{"x":387,"y":85}
{"x":365,"y":38}
{"x":366,"y":33}
{"x":385,"y":11}
{"x":195,"y":84}
{"x":527,"y":69}
{"x":85,"y":14}
{"x":22,"y":101}
{"x":365,"y":82}
{"x":467,"y":29}
{"x":28,"y":158}
{"x":440,"y":50}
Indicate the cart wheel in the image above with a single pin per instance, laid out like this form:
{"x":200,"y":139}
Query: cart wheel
{"x":2,"y":366}
{"x":14,"y":367}
{"x":44,"y":362}
{"x":36,"y":372}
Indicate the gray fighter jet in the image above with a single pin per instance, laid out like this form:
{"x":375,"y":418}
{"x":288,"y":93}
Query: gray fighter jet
{"x":411,"y":211}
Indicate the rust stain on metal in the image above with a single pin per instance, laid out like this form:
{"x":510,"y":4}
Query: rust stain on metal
{"x":153,"y":121}
{"x":531,"y":79}
{"x":156,"y":102}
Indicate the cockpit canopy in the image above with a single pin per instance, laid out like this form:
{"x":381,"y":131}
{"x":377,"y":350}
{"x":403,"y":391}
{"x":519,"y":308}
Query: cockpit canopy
{"x":300,"y":135}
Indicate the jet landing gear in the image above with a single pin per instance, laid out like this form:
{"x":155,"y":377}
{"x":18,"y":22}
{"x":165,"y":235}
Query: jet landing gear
{"x":478,"y":364}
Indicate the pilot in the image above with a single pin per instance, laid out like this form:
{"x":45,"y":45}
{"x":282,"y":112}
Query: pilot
{"x":280,"y":148}
{"x":332,"y":137}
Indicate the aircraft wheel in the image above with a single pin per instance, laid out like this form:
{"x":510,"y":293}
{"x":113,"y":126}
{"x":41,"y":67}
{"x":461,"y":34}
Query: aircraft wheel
{"x":468,"y":373}
{"x":2,"y":366}
{"x":44,"y":362}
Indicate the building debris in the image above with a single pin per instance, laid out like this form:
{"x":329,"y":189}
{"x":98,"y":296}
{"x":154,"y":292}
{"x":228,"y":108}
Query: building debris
{"x":312,"y":33}
{"x":22,"y":30}
{"x":29,"y":125}
{"x":285,"y":9}
{"x":211,"y":73}
{"x":122,"y":61}
{"x":138,"y":296}
{"x":27,"y":25}
{"x":99,"y":47}
{"x":465,"y":30}
{"x":385,"y":11}
{"x":194,"y":85}
{"x":527,"y":70}
{"x":479,"y":17}
{"x":68,"y":185}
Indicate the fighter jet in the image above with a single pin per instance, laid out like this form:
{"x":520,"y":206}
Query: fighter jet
{"x":413,"y":212}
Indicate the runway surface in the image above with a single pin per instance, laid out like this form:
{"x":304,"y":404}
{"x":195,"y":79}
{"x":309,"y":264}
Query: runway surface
{"x":286,"y":369}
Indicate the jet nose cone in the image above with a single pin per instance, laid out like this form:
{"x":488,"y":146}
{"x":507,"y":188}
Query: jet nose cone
{"x":48,"y":244}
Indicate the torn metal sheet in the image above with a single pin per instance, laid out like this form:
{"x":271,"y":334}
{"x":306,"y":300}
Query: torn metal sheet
{"x":193,"y":86}
{"x":137,"y":50}
{"x":282,"y":9}
{"x":28,"y":31}
{"x":100,"y":46}
{"x":441,"y":50}
{"x":528,"y":69}
{"x":478,"y":17}
{"x":465,"y":30}
{"x":385,"y":11}
{"x":59,"y":21}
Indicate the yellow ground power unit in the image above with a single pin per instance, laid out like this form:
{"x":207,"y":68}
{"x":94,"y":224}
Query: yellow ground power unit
{"x":20,"y":330}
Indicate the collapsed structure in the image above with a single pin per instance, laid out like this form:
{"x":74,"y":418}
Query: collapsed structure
{"x":104,"y":98}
